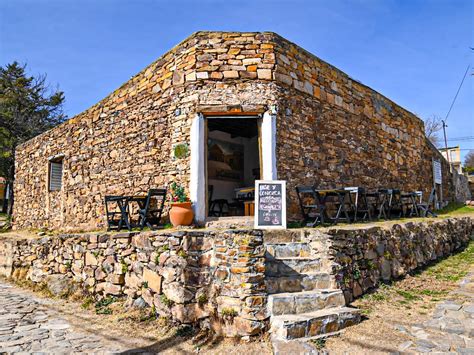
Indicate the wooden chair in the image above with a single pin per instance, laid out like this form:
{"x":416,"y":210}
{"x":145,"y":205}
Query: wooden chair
{"x":149,"y":214}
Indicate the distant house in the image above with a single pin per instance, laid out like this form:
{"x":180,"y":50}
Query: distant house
{"x":453,"y":155}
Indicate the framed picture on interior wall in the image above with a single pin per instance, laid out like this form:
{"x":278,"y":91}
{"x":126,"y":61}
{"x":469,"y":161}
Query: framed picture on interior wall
{"x":225,"y":160}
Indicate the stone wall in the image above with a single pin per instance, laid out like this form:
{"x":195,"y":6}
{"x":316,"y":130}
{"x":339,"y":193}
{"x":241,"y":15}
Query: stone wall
{"x":334,"y":131}
{"x":331,"y":130}
{"x":189,"y":277}
{"x":217,"y":278}
{"x":124,"y":144}
{"x":367,"y":256}
{"x":462,"y":192}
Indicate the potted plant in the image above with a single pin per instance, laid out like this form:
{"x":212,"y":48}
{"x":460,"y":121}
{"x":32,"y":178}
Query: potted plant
{"x":181,"y":213}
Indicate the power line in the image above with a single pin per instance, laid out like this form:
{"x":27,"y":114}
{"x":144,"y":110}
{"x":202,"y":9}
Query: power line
{"x":463,"y":137}
{"x":456,"y":96}
{"x":460,"y":140}
{"x":452,"y":104}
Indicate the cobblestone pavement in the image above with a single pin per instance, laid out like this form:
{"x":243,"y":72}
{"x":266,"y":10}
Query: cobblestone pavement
{"x":451,"y":328}
{"x":28,"y":325}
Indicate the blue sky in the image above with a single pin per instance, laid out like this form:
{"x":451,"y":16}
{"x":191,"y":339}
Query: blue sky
{"x":413,"y":51}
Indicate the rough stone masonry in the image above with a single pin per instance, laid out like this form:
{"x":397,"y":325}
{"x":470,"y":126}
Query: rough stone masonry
{"x":331,"y":130}
{"x":224,"y":279}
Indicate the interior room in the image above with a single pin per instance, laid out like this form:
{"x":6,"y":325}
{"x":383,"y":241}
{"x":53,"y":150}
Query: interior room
{"x":233,"y":165}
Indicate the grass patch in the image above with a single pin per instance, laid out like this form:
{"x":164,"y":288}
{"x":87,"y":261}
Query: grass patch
{"x":420,"y":292}
{"x":455,"y":267}
{"x":454,"y":208}
{"x":407,"y":295}
{"x":88,"y":301}
{"x":102,"y":306}
{"x":433,"y":293}
{"x":319,"y":343}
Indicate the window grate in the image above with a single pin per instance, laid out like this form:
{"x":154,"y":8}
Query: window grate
{"x":55,"y":175}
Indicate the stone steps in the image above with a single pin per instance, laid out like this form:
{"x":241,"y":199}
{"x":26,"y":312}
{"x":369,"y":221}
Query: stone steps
{"x":298,"y":283}
{"x":288,"y":250}
{"x":304,"y":302}
{"x":313,"y":324}
{"x":292,"y":266}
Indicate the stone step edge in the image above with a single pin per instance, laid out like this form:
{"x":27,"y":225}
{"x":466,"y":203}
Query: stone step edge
{"x":301,"y":275}
{"x":324,"y":291}
{"x":303,"y":258}
{"x":274,"y":338}
{"x":277,"y":322}
{"x":330,"y":298}
{"x":316,"y":314}
{"x":286,"y":243}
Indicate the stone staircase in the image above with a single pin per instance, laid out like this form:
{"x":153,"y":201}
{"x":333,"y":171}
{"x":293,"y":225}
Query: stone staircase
{"x":303,"y":301}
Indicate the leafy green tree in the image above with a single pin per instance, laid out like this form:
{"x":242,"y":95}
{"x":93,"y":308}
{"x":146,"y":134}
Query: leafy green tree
{"x":28,"y":107}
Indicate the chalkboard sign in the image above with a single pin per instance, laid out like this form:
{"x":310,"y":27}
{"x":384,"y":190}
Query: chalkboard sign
{"x":270,"y":204}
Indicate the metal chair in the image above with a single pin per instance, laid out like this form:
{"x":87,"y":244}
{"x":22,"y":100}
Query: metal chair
{"x":313,"y":212}
{"x":360,"y":204}
{"x":424,"y":209}
{"x":149,"y":213}
{"x":221,"y":204}
{"x":116,"y":219}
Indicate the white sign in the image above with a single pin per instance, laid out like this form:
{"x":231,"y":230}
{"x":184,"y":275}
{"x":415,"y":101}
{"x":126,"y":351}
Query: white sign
{"x":437,"y":172}
{"x":270,"y":204}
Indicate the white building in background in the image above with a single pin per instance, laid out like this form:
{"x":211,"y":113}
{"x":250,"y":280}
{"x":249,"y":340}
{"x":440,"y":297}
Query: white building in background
{"x":453,"y":155}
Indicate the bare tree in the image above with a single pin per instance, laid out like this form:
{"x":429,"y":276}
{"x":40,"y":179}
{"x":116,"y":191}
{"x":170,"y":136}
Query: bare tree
{"x":433,"y":125}
{"x":469,"y":159}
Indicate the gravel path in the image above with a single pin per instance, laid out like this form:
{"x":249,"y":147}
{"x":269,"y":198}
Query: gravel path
{"x":27,"y":324}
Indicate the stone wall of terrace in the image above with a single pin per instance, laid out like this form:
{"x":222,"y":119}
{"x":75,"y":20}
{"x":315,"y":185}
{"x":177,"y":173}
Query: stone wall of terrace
{"x":188,"y":277}
{"x":365,"y":257}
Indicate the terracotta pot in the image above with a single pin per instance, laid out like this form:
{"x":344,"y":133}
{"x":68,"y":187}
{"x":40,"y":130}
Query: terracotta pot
{"x":181,"y":214}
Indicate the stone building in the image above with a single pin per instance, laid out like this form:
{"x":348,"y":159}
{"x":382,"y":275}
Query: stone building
{"x":221,"y":109}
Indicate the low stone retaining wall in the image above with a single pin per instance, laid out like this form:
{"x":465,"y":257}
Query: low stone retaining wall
{"x":188,"y":276}
{"x":364,"y":257}
{"x":217,"y":278}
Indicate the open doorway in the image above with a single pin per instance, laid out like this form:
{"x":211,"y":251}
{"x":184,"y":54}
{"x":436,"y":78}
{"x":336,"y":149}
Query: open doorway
{"x":233,"y":165}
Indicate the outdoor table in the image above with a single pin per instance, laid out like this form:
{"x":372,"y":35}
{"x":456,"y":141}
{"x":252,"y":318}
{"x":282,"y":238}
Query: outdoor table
{"x":360,"y":203}
{"x":393,"y":201}
{"x":341,"y":195}
{"x":409,"y":202}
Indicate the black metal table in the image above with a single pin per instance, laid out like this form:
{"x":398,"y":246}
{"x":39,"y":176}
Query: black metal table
{"x":409,"y":202}
{"x":358,"y":202}
{"x":341,"y":198}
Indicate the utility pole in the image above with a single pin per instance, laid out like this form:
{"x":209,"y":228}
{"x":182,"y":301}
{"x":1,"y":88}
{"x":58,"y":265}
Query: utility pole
{"x":446,"y":143}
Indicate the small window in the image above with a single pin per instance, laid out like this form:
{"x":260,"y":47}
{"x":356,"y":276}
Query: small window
{"x":55,"y":174}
